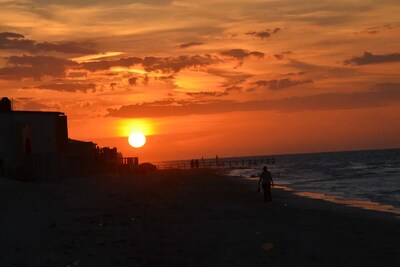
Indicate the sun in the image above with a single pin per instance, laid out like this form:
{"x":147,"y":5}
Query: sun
{"x":137,"y":140}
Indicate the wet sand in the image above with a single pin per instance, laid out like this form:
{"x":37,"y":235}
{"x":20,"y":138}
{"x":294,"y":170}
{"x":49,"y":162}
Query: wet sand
{"x":185,"y":218}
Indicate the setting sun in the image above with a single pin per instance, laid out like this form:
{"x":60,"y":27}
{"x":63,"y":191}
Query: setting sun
{"x":137,"y":140}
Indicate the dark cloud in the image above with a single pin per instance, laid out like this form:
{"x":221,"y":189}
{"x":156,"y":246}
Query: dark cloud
{"x":241,"y":54}
{"x":108,"y":64}
{"x":264,"y":34}
{"x":170,"y":64}
{"x":282,"y":55}
{"x":186,"y":45}
{"x":163,"y":64}
{"x":202,"y":93}
{"x":325,"y":19}
{"x":322,"y":71}
{"x":133,"y":80}
{"x":328,"y":101}
{"x":35,"y":67}
{"x":145,"y":80}
{"x":233,"y":88}
{"x":369,"y":58}
{"x":280,"y":84}
{"x":233,"y":78}
{"x":67,"y":87}
{"x":15,"y":41}
{"x":165,"y":78}
{"x":76,"y":74}
{"x":175,"y":64}
{"x":386,"y":87}
{"x":294,"y":73}
{"x":261,"y":34}
{"x":276,"y":30}
{"x":375,"y":29}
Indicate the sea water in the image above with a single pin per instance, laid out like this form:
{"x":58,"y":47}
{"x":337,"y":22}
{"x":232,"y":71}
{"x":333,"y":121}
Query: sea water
{"x":371,"y":175}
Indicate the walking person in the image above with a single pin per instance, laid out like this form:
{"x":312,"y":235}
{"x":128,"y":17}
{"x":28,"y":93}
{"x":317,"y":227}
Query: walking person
{"x":266,"y":182}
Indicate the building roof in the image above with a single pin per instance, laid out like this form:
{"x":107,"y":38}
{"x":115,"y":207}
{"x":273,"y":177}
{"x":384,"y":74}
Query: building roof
{"x":35,"y":112}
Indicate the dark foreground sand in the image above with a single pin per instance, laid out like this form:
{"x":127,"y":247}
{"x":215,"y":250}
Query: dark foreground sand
{"x":185,"y":218}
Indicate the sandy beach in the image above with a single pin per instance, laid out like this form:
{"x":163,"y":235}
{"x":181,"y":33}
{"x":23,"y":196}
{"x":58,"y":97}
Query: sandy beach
{"x":185,"y":218}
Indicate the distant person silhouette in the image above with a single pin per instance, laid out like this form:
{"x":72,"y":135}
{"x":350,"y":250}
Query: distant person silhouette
{"x":196,"y":162}
{"x":266,"y":182}
{"x":192,"y":164}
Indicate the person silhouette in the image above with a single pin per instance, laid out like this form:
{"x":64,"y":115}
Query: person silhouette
{"x":266,"y":182}
{"x":196,"y":163}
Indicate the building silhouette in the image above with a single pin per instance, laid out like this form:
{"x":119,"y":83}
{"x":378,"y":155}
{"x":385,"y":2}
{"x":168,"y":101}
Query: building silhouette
{"x":34,"y":146}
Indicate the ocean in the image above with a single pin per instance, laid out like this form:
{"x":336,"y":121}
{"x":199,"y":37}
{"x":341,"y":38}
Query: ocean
{"x":369,"y":175}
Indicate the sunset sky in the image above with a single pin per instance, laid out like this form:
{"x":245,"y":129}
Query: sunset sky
{"x":208,"y":77}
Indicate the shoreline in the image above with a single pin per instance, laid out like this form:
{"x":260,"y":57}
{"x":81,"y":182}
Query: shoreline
{"x":356,"y":203}
{"x":185,"y":217}
{"x":353,"y":202}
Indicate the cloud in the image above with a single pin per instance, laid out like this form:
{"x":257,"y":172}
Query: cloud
{"x":386,"y":87}
{"x":324,"y":18}
{"x":133,"y":80}
{"x":377,"y":97}
{"x":264,"y":34}
{"x":165,"y":78}
{"x":233,"y":88}
{"x":176,"y":64}
{"x":321,"y":71}
{"x":294,"y":73}
{"x":280,"y":84}
{"x":282,"y":55}
{"x":202,"y":93}
{"x":375,"y":29}
{"x":163,"y":64}
{"x":31,"y":104}
{"x":369,"y":58}
{"x":232,"y":78}
{"x":80,"y":3}
{"x":145,"y":80}
{"x":76,"y":74}
{"x":16,"y":41}
{"x":186,"y":45}
{"x":67,"y":87}
{"x":170,"y":65}
{"x":108,"y":64}
{"x":35,"y":67}
{"x":241,"y":54}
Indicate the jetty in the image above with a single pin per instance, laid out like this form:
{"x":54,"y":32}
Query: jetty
{"x":217,"y":163}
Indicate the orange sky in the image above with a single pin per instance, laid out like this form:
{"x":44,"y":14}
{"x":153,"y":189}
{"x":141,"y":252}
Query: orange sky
{"x":201,"y":78}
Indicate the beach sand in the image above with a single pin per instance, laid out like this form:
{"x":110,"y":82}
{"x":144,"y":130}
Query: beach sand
{"x":185,"y":218}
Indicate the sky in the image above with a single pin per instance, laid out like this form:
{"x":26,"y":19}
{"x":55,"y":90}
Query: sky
{"x":209,"y":77}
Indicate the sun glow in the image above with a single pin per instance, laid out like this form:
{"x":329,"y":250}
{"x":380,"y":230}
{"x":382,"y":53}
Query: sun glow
{"x":137,"y":140}
{"x":125,"y":127}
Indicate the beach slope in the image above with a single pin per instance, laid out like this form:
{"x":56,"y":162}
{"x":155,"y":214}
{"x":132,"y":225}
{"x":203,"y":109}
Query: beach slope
{"x":185,"y":218}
